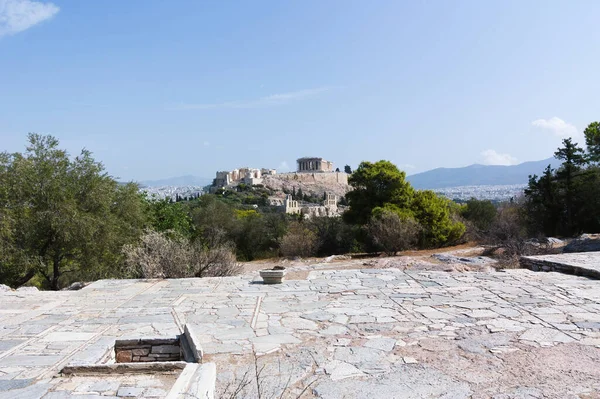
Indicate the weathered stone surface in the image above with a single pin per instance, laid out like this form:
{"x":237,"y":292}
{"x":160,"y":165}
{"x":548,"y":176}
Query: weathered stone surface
{"x":581,"y":264}
{"x":408,"y":382}
{"x":474,"y":330}
{"x":130,"y":392}
{"x":7,"y":385}
{"x":339,"y":370}
{"x":124,"y":356}
{"x":383,"y":344}
{"x":165,"y":349}
{"x":584,"y":243}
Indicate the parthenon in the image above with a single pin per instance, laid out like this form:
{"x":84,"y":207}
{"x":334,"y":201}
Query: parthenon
{"x":310,"y":164}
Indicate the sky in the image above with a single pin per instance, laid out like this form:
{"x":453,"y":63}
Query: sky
{"x":157,"y":89}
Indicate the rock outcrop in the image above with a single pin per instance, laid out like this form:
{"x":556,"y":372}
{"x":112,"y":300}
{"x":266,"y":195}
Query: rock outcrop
{"x":584,"y":243}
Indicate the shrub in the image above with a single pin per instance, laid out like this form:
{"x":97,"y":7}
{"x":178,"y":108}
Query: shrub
{"x":173,"y":256}
{"x":298,"y":241}
{"x":481,"y":213}
{"x":391,"y":233}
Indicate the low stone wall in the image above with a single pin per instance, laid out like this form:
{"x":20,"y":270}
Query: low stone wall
{"x":581,"y":264}
{"x":147,"y":350}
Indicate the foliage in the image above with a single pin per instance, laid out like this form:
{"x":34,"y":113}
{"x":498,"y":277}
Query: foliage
{"x":434,"y":214}
{"x":161,"y":255}
{"x":392,"y":234}
{"x":333,"y":236}
{"x":592,"y":140}
{"x":376,"y":185}
{"x":64,"y":218}
{"x":481,"y":213}
{"x":566,"y":201}
{"x":348,"y":169}
{"x":298,"y":241}
{"x":165,"y":215}
{"x":380,"y":187}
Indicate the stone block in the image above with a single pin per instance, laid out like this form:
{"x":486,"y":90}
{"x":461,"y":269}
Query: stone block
{"x":165,"y":349}
{"x":124,"y":356}
{"x":140,"y":351}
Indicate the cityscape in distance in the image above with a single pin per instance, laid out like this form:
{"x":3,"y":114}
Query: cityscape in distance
{"x":496,"y":183}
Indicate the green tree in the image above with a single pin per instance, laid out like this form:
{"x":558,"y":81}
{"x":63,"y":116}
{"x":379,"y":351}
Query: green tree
{"x":69,"y":218}
{"x":573,"y":160}
{"x":299,"y":195}
{"x":165,"y":215}
{"x":592,"y":141}
{"x":377,"y":185}
{"x":479,"y":212}
{"x":543,"y":203}
{"x":435,"y":215}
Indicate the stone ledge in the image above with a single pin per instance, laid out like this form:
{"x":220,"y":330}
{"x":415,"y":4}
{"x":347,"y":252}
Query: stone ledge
{"x":580,"y":264}
{"x":122,"y":368}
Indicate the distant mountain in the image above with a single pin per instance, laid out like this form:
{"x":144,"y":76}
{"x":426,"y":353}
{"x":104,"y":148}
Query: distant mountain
{"x":479,"y":175}
{"x":178,"y":181}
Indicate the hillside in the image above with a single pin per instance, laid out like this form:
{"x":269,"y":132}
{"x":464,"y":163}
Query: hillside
{"x":478,"y":175}
{"x":310,"y":183}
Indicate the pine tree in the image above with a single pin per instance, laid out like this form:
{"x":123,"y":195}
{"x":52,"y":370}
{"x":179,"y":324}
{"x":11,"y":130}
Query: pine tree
{"x":573,"y":160}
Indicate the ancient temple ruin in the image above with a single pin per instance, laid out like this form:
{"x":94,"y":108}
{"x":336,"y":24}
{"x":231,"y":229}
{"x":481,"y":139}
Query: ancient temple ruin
{"x":311,"y":164}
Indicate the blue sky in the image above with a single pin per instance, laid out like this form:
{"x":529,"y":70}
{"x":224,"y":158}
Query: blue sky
{"x":166,"y":88}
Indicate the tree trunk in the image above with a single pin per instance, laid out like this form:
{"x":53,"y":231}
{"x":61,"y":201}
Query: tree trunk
{"x":55,"y":273}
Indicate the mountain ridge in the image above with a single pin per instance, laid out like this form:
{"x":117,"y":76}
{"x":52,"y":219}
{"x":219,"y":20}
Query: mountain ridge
{"x":480,"y":175}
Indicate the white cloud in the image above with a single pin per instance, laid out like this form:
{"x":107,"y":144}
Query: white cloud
{"x":267,"y":101}
{"x":557,"y":126}
{"x":406,"y":166}
{"x":283,"y":167}
{"x":491,"y":157}
{"x":19,"y":15}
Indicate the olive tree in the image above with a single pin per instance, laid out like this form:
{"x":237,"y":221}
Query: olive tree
{"x":63,"y":217}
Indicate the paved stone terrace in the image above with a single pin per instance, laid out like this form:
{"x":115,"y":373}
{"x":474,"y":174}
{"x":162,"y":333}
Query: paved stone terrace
{"x":344,"y":334}
{"x":581,"y":264}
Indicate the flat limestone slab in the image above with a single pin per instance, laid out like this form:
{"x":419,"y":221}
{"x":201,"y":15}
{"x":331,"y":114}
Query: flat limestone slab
{"x":581,"y":264}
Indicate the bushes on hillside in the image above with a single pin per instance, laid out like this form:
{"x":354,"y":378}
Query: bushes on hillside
{"x":162,"y":255}
{"x":392,"y":234}
{"x":566,"y":201}
{"x":298,"y":241}
{"x":381,"y":187}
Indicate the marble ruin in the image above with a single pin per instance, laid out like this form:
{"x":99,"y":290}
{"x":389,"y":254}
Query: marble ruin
{"x":311,"y":165}
{"x":250,"y":176}
{"x":329,"y":207}
{"x":253,"y":176}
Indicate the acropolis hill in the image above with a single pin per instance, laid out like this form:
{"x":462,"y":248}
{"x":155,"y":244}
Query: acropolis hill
{"x":313,"y":175}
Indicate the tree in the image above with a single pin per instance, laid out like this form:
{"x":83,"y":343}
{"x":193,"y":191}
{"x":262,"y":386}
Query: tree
{"x":592,"y":141}
{"x":573,"y":159}
{"x":479,"y":212}
{"x":69,"y":219}
{"x":299,"y":195}
{"x":435,"y":215}
{"x":375,"y":185}
{"x":165,"y":216}
{"x":392,"y":234}
{"x":333,"y":235}
{"x":348,"y":169}
{"x":543,"y":203}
